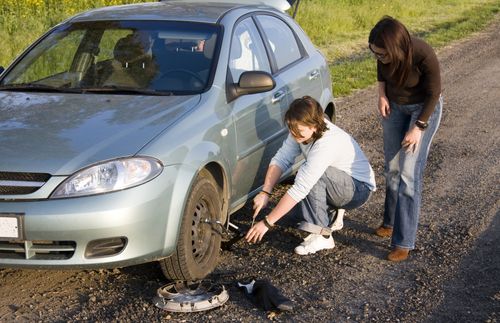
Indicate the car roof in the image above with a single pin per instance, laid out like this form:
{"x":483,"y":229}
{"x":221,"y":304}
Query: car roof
{"x":177,"y":10}
{"x":278,"y":4}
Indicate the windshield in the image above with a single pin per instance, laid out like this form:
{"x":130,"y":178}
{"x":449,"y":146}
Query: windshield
{"x":129,"y":56}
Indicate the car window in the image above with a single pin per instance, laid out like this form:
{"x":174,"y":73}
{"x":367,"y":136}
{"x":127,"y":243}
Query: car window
{"x":119,"y":56}
{"x":54,"y":59}
{"x":281,"y":40}
{"x":247,"y":50}
{"x":108,"y":41}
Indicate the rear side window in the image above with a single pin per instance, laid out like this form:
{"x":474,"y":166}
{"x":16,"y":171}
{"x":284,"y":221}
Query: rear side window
{"x":281,"y":40}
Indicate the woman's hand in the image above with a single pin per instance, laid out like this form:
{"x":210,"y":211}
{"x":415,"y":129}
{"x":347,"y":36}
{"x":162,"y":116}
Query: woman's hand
{"x":257,"y":232}
{"x":383,"y":106}
{"x":259,"y":202}
{"x":412,"y":139}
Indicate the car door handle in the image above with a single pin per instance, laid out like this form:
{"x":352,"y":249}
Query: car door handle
{"x":278,"y":96}
{"x":314,"y":75}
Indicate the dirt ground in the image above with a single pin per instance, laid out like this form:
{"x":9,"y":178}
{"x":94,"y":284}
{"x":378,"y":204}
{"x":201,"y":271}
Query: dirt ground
{"x":452,"y":276}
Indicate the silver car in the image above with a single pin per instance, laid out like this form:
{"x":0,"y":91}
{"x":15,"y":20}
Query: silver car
{"x":130,"y":134}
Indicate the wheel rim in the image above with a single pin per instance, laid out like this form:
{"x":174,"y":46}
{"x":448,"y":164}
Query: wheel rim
{"x":201,"y":231}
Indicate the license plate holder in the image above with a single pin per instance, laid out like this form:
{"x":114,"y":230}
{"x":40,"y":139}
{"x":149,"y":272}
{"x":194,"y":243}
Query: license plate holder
{"x":11,"y":226}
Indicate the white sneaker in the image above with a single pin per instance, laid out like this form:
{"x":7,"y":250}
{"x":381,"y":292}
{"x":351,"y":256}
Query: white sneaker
{"x":309,"y":237}
{"x":339,"y":220}
{"x":313,"y":243}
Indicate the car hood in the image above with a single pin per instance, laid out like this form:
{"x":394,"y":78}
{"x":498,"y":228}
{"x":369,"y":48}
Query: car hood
{"x":62,"y":133}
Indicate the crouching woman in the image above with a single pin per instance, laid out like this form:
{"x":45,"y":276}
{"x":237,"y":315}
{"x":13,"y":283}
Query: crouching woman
{"x":335,"y":175}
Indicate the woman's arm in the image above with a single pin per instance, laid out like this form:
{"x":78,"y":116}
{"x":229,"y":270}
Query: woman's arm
{"x":383,"y":102}
{"x":272,"y":176}
{"x":258,"y":231}
{"x":432,"y":77}
{"x":285,"y":204}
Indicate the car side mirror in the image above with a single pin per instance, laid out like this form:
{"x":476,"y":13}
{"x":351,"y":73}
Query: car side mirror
{"x":251,"y":82}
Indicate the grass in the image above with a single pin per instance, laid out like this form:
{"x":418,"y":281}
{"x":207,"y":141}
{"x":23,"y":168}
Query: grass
{"x":341,"y":27}
{"x":356,"y":69}
{"x":23,"y":21}
{"x":338,"y":27}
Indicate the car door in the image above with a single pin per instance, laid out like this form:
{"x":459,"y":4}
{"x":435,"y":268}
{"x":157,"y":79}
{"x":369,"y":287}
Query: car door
{"x":257,"y":118}
{"x":290,"y":62}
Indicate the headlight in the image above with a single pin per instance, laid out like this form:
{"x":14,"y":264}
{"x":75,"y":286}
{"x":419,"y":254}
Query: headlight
{"x":109,"y":176}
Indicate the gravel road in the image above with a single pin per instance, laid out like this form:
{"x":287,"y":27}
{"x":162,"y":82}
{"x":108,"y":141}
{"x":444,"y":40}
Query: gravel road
{"x":452,"y":276}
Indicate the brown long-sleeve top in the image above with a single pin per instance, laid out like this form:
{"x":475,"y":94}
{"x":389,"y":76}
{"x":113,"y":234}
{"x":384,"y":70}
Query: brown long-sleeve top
{"x":423,"y":83}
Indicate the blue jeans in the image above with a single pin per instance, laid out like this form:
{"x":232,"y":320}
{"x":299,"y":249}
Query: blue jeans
{"x":404,"y":171}
{"x":334,"y":189}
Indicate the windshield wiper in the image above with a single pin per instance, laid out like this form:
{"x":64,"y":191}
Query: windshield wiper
{"x":38,"y":88}
{"x":123,"y":90}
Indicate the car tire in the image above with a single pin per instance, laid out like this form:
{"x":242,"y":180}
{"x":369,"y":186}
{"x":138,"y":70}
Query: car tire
{"x":198,"y":245}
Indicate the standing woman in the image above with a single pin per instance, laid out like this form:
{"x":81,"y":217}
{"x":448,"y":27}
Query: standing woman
{"x":410,"y":103}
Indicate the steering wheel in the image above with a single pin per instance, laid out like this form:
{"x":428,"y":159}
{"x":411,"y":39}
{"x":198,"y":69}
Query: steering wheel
{"x":192,"y":75}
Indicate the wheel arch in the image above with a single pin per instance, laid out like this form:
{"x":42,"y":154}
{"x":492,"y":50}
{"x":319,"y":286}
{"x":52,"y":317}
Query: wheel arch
{"x":330,"y":111}
{"x":216,"y":171}
{"x":183,"y":263}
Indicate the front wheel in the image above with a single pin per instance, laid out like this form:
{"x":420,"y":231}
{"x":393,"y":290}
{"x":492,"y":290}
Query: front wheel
{"x":198,"y":245}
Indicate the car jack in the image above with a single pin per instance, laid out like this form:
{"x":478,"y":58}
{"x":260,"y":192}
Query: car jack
{"x":230,"y":234}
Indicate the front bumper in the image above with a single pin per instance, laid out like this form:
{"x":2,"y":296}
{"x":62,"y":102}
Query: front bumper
{"x":147,"y":217}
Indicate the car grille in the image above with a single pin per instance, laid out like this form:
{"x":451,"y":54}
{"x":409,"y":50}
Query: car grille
{"x":37,"y":250}
{"x":21,"y":183}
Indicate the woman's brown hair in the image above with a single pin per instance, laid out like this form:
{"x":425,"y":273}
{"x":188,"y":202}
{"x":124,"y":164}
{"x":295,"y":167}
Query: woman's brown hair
{"x":393,"y":36}
{"x":306,"y":111}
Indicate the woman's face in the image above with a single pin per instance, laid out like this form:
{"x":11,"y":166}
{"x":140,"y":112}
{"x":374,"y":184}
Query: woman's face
{"x":380,"y":54}
{"x":305,"y":133}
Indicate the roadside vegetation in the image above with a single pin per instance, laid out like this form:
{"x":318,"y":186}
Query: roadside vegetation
{"x":339,"y":27}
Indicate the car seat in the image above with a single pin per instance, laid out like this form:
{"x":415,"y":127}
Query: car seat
{"x":132,"y":65}
{"x":181,"y":69}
